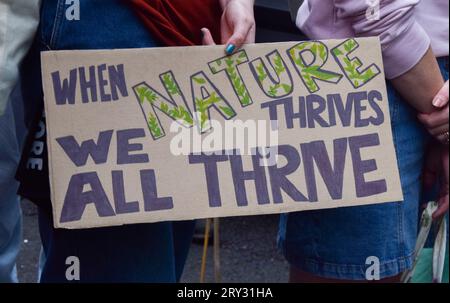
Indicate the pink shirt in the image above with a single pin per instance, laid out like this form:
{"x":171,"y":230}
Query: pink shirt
{"x":405,"y":28}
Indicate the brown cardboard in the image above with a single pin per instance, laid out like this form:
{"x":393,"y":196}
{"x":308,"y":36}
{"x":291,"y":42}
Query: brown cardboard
{"x":140,"y":180}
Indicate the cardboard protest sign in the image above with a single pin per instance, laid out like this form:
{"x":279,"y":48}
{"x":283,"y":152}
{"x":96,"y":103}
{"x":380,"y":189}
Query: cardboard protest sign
{"x":149,"y":135}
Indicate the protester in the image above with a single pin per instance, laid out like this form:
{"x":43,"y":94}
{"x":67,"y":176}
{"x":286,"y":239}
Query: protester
{"x":132,"y":253}
{"x":18,"y":20}
{"x":341,"y":244}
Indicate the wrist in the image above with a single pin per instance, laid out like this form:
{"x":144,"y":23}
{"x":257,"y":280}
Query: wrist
{"x":247,"y":3}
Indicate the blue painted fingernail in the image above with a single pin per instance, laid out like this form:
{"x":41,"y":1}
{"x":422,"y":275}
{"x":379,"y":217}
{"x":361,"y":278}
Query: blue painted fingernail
{"x":230,"y":49}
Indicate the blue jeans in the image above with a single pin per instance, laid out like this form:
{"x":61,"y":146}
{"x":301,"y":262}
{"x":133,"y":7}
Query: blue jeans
{"x":12,"y":131}
{"x":336,"y":243}
{"x":134,"y":253}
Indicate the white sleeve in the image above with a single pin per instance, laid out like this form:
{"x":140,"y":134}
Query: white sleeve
{"x":19,"y":20}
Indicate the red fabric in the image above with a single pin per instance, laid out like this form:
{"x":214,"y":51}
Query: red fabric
{"x":178,"y":22}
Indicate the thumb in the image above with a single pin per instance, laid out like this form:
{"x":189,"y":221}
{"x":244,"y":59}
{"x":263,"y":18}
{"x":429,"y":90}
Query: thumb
{"x":441,"y":98}
{"x":241,"y":31}
{"x":442,"y":208}
{"x":207,"y":37}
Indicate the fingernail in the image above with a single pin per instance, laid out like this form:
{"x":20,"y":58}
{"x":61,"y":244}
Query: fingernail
{"x":438,"y":101}
{"x":230,"y":49}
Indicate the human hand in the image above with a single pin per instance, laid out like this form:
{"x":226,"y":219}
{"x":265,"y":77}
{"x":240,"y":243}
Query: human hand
{"x":237,"y":24}
{"x":437,"y":122}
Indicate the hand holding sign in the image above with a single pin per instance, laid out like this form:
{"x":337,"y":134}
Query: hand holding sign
{"x":237,"y":24}
{"x":437,"y":121}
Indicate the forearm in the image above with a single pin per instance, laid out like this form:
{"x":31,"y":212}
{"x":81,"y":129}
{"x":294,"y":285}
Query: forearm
{"x":420,"y":84}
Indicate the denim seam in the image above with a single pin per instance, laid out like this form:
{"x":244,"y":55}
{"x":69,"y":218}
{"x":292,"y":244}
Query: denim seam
{"x":314,"y":261}
{"x":350,"y":271}
{"x":401,"y":236}
{"x":382,"y":264}
{"x":394,"y":112}
{"x":57,"y":24}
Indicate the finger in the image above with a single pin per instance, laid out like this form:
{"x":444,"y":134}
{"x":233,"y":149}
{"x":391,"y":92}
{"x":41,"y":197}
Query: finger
{"x":434,"y":119}
{"x":241,"y":31}
{"x":251,"y":36}
{"x":442,"y":129}
{"x":442,"y":208}
{"x":441,"y":98}
{"x":225,"y":31}
{"x":207,"y":37}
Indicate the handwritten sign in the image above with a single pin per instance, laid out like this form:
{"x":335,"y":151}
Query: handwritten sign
{"x":149,"y":135}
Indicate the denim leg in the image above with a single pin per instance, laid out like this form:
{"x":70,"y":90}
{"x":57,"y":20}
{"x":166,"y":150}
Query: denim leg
{"x":140,"y":253}
{"x":182,"y":238}
{"x":10,"y":213}
{"x":132,"y":253}
{"x":336,"y":243}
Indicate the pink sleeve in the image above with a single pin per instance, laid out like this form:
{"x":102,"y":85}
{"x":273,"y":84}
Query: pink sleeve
{"x":404,"y":42}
